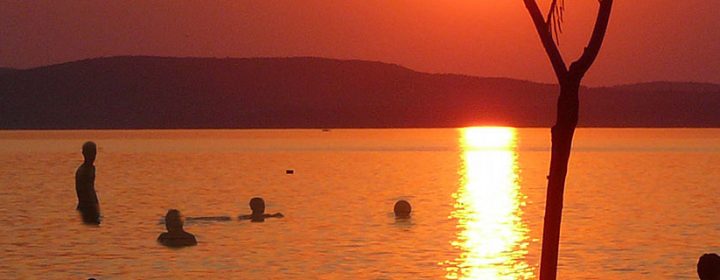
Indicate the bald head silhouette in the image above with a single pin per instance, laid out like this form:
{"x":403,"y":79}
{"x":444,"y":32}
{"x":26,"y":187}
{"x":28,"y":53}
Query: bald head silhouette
{"x":708,"y":267}
{"x":257,"y":205}
{"x":402,"y":209}
{"x":173,"y":221}
{"x":89,"y":151}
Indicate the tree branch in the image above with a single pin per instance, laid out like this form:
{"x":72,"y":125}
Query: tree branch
{"x":550,"y":13}
{"x":579,"y":67}
{"x":546,"y":38}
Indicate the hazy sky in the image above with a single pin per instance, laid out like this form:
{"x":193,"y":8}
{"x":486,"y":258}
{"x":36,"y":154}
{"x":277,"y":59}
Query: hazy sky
{"x":647,"y":40}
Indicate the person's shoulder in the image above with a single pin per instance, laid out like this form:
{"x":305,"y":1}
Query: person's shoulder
{"x":177,"y":239}
{"x":84,"y":170}
{"x":163,"y":236}
{"x":188,"y":239}
{"x":187,"y":235}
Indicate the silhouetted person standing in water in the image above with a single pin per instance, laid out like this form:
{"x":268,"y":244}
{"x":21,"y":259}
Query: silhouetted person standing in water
{"x":708,"y":267}
{"x":402,"y":209}
{"x":88,"y":204}
{"x":257,"y":205}
{"x":176,"y":235}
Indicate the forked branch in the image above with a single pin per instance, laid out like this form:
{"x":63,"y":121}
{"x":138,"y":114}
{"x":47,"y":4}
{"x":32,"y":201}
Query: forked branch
{"x":543,"y":31}
{"x":579,"y":67}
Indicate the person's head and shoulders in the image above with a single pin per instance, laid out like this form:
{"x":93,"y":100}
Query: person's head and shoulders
{"x":708,"y":267}
{"x":402,"y":210}
{"x":257,"y":206}
{"x":89,"y":152}
{"x":175,"y":236}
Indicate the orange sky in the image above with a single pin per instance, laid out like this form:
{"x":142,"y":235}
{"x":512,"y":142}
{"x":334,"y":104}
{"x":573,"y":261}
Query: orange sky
{"x":647,"y":39}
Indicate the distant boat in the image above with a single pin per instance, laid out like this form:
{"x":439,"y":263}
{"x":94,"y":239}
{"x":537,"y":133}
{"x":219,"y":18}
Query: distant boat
{"x":325,"y":130}
{"x":289,"y":171}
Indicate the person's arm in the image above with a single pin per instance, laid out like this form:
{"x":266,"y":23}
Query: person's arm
{"x":82,"y":186}
{"x":78,"y":186}
{"x":91,"y":186}
{"x":208,"y":218}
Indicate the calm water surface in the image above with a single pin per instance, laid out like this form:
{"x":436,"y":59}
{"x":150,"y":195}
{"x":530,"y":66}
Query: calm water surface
{"x":640,"y":203}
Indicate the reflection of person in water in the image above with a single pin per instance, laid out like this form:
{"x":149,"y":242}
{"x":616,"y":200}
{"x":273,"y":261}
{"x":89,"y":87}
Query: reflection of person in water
{"x":90,"y":215}
{"x":88,"y":204}
{"x":402,"y":209}
{"x":257,"y":205}
{"x":176,"y":235}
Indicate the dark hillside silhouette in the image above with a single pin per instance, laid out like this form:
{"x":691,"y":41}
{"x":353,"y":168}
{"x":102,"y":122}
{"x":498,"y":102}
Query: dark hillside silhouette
{"x":160,"y":92}
{"x":652,"y":104}
{"x":4,"y":70}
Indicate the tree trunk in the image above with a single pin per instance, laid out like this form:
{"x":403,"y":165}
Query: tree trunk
{"x":564,"y":128}
{"x":562,"y":136}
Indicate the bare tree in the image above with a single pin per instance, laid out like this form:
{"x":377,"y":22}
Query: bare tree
{"x":567,"y":116}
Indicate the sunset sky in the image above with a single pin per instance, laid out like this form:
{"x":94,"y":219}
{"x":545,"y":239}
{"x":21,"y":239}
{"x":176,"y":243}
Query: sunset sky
{"x":647,"y":40}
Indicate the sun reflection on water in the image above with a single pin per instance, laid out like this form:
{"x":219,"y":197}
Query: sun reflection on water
{"x":492,"y":236}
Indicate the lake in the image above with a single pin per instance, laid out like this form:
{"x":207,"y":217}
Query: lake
{"x":639,"y":203}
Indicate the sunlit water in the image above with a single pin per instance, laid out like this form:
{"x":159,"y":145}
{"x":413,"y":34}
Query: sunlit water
{"x":640,"y":203}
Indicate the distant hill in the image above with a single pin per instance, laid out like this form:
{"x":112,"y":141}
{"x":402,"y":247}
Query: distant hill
{"x":4,"y":70}
{"x":304,"y":92}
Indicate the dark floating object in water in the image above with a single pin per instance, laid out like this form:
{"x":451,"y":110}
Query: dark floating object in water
{"x":708,"y":266}
{"x":289,"y":171}
{"x":326,"y":130}
{"x":402,"y":209}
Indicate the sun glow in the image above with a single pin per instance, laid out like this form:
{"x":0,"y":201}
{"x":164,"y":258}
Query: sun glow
{"x":492,"y":237}
{"x":474,"y":138}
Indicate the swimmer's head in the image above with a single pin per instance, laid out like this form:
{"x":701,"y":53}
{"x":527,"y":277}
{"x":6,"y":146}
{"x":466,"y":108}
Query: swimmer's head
{"x":708,"y":267}
{"x":257,"y":205}
{"x":89,"y":151}
{"x":402,"y":209}
{"x":173,"y":220}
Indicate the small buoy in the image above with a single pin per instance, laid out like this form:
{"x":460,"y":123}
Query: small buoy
{"x":289,"y":171}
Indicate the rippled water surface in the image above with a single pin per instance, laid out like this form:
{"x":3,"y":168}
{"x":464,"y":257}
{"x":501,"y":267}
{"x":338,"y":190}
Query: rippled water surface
{"x":640,"y":203}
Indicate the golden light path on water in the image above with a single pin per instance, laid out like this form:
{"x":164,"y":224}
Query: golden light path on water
{"x":492,"y":237}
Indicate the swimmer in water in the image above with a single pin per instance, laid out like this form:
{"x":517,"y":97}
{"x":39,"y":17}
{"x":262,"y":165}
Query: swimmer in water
{"x":708,"y":267}
{"x":257,"y":205}
{"x":176,"y":235}
{"x":88,"y":203}
{"x":402,"y":209}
